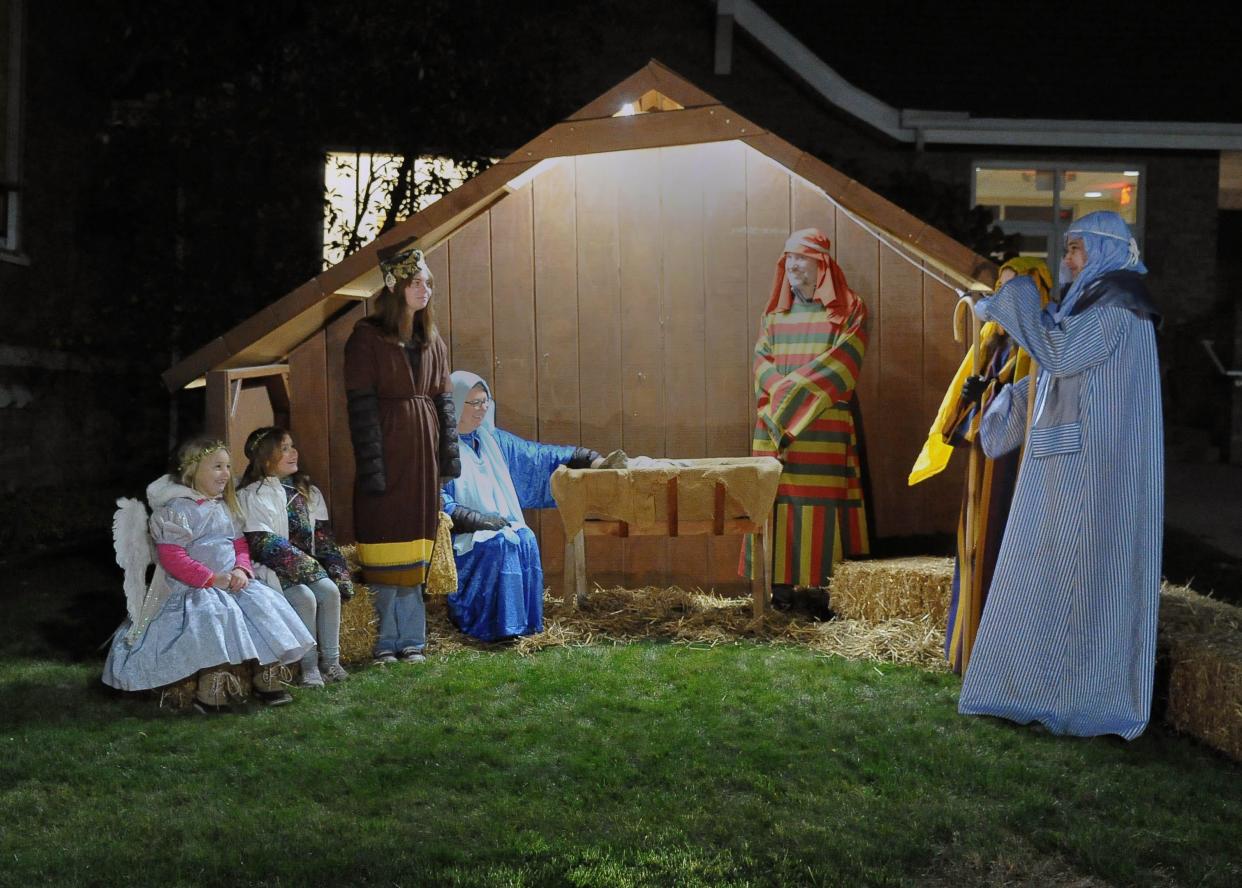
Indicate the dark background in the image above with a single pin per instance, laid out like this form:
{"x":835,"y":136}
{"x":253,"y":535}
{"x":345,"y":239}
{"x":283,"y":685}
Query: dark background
{"x":173,"y":152}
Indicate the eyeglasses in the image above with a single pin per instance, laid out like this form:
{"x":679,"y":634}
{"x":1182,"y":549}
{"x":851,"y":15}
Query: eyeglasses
{"x":479,"y":402}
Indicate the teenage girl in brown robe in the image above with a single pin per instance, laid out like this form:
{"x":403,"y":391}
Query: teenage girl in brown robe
{"x":404,"y":432}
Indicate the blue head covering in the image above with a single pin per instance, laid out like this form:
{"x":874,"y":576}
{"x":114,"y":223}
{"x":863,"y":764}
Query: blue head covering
{"x":485,"y":483}
{"x":1109,"y":246}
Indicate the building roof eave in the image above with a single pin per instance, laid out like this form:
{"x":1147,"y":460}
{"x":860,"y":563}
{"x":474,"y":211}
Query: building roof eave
{"x":949,"y":127}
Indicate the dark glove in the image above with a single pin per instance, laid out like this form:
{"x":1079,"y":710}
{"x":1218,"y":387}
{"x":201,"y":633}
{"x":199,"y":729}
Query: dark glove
{"x":368,"y":440}
{"x":450,"y":461}
{"x":468,"y":521}
{"x":582,"y":458}
{"x":973,"y":389}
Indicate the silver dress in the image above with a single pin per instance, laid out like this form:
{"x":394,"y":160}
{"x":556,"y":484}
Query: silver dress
{"x":201,"y":628}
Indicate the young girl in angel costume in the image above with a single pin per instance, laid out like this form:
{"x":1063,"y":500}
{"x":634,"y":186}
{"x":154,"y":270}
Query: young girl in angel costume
{"x":290,"y":538}
{"x":203,"y":610}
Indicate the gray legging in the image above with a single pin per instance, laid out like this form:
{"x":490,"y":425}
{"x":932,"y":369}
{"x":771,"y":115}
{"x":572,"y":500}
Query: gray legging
{"x":319,"y":606}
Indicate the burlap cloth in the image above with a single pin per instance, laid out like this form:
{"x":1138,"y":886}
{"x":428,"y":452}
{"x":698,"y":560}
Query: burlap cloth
{"x":639,"y":496}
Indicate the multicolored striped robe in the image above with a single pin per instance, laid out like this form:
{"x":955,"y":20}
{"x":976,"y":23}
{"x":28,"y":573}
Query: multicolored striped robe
{"x":805,"y":370}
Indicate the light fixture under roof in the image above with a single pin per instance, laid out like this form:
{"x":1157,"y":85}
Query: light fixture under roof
{"x":1133,"y":174}
{"x":627,"y":110}
{"x":1093,"y":194}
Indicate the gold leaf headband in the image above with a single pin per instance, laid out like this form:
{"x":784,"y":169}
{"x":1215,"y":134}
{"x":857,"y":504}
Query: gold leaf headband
{"x":193,"y":458}
{"x":402,"y":265}
{"x":252,"y":446}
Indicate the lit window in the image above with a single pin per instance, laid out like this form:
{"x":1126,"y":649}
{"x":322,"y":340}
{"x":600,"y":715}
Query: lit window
{"x":1034,"y":203}
{"x":360,"y":189}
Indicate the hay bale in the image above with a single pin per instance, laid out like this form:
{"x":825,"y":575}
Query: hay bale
{"x":1201,"y":640}
{"x":359,"y":626}
{"x":893,"y":589}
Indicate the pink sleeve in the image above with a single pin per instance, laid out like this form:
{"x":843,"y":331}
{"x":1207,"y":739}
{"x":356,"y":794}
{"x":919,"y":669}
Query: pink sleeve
{"x":180,"y":566}
{"x":243,"y":556}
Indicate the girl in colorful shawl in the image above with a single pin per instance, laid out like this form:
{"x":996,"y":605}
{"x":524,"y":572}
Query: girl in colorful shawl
{"x":289,"y":536}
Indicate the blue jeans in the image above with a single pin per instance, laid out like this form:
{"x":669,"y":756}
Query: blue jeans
{"x":402,"y":618}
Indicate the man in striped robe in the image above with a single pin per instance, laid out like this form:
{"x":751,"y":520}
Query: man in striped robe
{"x":1068,"y":638}
{"x":807,"y":361}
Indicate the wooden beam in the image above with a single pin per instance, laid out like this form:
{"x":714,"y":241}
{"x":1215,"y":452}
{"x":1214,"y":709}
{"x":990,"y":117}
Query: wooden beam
{"x":233,"y":373}
{"x":628,"y":90}
{"x":676,"y":87}
{"x":713,"y":123}
{"x":210,"y":355}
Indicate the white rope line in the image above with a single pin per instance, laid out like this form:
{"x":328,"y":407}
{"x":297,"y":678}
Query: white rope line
{"x":884,"y":238}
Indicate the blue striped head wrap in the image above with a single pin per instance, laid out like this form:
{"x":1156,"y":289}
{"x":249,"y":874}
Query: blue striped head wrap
{"x":1110,"y":247}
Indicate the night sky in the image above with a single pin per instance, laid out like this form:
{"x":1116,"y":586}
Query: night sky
{"x":1026,"y":59}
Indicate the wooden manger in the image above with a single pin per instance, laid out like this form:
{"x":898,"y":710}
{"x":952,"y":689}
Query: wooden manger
{"x":669,"y":498}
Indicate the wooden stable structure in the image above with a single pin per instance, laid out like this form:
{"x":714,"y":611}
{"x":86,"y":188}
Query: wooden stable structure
{"x":607,"y":278}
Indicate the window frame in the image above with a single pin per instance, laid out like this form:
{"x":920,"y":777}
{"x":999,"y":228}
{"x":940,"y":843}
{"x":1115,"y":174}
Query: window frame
{"x":11,"y":170}
{"x":1055,"y":232}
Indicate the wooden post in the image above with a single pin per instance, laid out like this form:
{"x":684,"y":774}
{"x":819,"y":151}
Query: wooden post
{"x":575,"y":570}
{"x":763,"y":593}
{"x":219,"y":406}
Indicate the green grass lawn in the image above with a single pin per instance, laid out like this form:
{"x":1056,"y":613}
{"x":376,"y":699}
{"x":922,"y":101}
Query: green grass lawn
{"x":640,"y":764}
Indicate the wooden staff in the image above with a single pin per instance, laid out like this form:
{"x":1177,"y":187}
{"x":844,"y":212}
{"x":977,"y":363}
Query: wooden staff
{"x":966,"y":576}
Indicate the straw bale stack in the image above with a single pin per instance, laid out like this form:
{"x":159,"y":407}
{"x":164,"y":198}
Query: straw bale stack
{"x":1201,"y":639}
{"x":893,"y":589}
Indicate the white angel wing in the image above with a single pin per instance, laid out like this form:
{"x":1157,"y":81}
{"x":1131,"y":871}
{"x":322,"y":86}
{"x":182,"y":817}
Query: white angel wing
{"x":132,"y":542}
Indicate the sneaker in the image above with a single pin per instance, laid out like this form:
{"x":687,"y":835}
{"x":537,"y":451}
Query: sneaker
{"x":412,"y":655}
{"x":333,"y":672}
{"x":273,"y":698}
{"x":311,"y":680}
{"x":384,"y":658}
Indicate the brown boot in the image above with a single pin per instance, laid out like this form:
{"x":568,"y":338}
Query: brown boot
{"x":269,"y":684}
{"x":217,"y":688}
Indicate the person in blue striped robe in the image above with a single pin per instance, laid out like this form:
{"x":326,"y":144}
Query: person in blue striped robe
{"x":1068,"y":638}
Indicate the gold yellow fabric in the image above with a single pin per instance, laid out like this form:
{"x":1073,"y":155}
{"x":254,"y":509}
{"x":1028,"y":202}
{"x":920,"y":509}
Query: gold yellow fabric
{"x":442,"y":574}
{"x":936,"y":452}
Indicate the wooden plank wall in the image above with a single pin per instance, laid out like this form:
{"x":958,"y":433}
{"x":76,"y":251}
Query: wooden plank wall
{"x":614,"y":301}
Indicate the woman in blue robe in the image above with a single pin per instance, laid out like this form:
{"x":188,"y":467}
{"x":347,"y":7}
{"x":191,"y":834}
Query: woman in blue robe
{"x":1068,"y":638}
{"x":499,"y":576}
